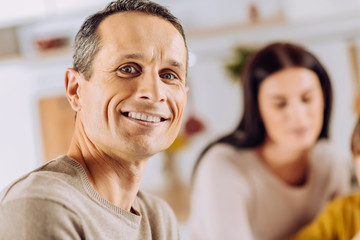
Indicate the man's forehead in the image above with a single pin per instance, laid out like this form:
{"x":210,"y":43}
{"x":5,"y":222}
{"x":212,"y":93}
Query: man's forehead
{"x":137,"y":34}
{"x":136,"y":26}
{"x":130,"y":19}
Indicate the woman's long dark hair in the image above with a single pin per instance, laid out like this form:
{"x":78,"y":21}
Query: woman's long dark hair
{"x":274,"y":57}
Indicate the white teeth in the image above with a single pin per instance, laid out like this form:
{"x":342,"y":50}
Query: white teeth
{"x":144,"y":117}
{"x":156,"y":119}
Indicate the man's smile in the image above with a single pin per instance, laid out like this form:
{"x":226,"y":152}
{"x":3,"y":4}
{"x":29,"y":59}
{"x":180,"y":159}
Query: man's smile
{"x":144,"y":117}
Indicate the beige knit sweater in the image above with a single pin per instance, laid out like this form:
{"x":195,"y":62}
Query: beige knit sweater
{"x":236,"y":197}
{"x":57,"y":201}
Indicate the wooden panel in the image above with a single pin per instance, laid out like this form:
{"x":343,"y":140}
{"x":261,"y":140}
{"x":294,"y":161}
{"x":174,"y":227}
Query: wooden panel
{"x":57,"y":125}
{"x":354,"y":66}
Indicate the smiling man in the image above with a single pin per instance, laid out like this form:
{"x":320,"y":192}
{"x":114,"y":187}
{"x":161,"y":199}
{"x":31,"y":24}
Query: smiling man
{"x":128,"y":89}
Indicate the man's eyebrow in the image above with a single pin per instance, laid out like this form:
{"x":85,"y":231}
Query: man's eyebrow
{"x":177,"y":64}
{"x":131,"y":56}
{"x":139,"y":56}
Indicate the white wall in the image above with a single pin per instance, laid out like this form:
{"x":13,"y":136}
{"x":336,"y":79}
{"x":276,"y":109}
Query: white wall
{"x":22,"y":83}
{"x":16,"y":124}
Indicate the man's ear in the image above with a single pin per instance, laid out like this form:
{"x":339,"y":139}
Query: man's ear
{"x":72,"y":87}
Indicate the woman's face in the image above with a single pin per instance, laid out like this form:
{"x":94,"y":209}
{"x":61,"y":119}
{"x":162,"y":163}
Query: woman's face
{"x":291,"y":104}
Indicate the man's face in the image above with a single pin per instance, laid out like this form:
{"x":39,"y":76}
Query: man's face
{"x":133,"y":103}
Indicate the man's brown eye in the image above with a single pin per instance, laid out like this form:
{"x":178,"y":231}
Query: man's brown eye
{"x":128,"y":69}
{"x":168,"y":76}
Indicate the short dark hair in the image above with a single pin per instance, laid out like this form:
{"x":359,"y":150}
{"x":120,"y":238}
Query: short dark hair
{"x":87,"y":40}
{"x":355,"y":139}
{"x":272,"y":58}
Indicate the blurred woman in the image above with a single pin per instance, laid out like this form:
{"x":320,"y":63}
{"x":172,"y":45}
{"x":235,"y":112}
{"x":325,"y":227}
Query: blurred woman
{"x":273,"y":174}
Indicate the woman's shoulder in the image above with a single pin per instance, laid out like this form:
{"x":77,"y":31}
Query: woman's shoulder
{"x":223,"y":166}
{"x":228,"y":152}
{"x":329,"y":164}
{"x":325,"y":152}
{"x":324,"y":147}
{"x":225,"y":157}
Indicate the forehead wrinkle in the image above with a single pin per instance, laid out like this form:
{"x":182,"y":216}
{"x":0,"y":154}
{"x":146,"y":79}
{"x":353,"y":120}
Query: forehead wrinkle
{"x":176,"y":64}
{"x":126,"y":57}
{"x":135,"y":56}
{"x":140,"y":56}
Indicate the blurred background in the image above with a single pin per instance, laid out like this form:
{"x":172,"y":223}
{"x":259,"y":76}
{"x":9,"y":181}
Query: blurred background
{"x":36,"y":36}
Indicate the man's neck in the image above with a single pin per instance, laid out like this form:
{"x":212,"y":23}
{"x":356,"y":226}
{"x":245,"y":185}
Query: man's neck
{"x":116,"y":180}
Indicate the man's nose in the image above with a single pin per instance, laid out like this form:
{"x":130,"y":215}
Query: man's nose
{"x":151,"y":88}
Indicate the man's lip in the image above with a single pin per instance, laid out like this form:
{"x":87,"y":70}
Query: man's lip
{"x":146,"y":117}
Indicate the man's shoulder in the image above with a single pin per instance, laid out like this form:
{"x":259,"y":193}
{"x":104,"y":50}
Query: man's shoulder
{"x":53,"y":180}
{"x":157,"y":214}
{"x":151,"y":203}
